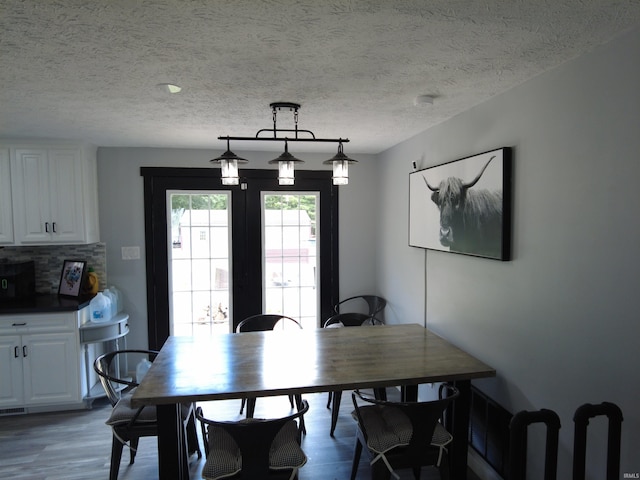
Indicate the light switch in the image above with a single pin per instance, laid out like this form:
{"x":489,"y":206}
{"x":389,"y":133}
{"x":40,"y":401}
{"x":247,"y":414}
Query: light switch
{"x":131,"y":253}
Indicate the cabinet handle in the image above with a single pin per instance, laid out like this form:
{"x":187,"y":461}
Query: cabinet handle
{"x":54,"y":227}
{"x":15,"y":352}
{"x":24,"y":350}
{"x":46,"y":227}
{"x":19,"y":324}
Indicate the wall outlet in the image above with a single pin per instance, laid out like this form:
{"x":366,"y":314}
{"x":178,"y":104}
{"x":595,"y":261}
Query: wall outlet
{"x":131,"y":253}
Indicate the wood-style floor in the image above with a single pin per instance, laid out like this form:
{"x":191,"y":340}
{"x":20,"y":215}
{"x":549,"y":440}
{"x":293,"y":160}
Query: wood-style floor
{"x":77,"y":445}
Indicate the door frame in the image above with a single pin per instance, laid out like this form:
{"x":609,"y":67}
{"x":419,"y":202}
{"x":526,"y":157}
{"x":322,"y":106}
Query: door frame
{"x":158,"y":180}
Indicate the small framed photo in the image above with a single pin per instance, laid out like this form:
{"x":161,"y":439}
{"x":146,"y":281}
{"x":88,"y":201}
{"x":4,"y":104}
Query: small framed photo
{"x":72,"y":278}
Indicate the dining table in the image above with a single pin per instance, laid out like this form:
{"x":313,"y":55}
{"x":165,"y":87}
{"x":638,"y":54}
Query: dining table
{"x":261,"y":364}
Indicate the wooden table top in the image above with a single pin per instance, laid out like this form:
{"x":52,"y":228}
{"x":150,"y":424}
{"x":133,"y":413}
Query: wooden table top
{"x":238,"y":365}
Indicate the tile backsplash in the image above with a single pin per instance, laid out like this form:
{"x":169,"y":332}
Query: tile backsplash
{"x":48,"y":261}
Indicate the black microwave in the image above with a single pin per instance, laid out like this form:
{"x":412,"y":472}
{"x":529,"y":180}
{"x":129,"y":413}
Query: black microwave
{"x":17,"y":279}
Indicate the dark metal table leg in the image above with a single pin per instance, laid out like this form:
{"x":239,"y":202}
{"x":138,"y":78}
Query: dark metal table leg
{"x":172,"y":455}
{"x":459,"y":428}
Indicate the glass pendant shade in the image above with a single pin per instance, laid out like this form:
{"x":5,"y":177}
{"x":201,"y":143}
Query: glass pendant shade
{"x":340,"y":164}
{"x":285,"y":173}
{"x":229,"y":172}
{"x":340,"y":172}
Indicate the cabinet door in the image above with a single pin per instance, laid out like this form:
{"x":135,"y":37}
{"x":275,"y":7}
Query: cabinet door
{"x":6,"y":205}
{"x":10,"y":372}
{"x":65,"y":177}
{"x":31,"y":193}
{"x":51,"y":371}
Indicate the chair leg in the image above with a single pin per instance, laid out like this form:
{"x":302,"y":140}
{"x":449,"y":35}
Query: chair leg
{"x":416,"y":472}
{"x":193,"y":446}
{"x":335,"y":411}
{"x":380,"y":394}
{"x":133,"y":449}
{"x":356,"y":459}
{"x":251,"y":407}
{"x":116,"y":456}
{"x":379,"y":471}
{"x":303,"y":428}
{"x":444,"y":466}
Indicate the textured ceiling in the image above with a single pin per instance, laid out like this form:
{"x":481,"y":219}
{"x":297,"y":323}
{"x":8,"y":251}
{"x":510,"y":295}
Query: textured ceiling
{"x":88,"y":70}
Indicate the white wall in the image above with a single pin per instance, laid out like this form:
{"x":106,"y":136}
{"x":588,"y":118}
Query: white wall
{"x":560,"y":321}
{"x":120,"y":190}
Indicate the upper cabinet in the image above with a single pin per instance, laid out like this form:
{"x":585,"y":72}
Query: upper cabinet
{"x":6,"y":204}
{"x":54,"y":191}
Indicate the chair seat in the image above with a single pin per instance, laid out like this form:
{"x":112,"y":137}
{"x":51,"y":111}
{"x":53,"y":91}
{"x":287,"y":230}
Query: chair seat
{"x":225,"y":460}
{"x":388,"y":428}
{"x":122,"y":413}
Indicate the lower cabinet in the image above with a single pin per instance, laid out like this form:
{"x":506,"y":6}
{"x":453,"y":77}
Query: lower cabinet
{"x":51,"y":372}
{"x":11,"y":386}
{"x":39,"y":361}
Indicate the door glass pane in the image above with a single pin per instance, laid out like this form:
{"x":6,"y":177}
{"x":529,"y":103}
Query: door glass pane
{"x":199,"y":262}
{"x":290,"y":239}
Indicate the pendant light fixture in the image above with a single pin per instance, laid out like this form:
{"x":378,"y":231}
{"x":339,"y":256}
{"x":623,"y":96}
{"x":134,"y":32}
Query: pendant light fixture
{"x":286,"y":162}
{"x":229,"y":165}
{"x":340,"y":166}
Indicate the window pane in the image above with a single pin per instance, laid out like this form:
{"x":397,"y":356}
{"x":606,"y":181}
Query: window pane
{"x":199,"y":257}
{"x":289,"y":255}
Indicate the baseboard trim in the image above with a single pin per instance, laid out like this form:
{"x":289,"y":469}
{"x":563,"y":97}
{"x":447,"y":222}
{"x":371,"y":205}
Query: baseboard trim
{"x":481,"y":468}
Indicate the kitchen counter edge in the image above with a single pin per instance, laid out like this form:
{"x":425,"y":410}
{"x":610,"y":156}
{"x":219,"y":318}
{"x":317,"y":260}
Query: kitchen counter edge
{"x":44,"y":303}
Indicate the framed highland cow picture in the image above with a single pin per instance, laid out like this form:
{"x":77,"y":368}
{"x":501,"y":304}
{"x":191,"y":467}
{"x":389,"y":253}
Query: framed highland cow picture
{"x":463,"y":206}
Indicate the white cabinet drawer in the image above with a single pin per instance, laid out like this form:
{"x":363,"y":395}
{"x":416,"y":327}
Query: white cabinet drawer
{"x":38,"y":323}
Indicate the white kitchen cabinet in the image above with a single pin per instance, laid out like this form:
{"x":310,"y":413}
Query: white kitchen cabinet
{"x":54,"y":191}
{"x":11,"y":391}
{"x":6,"y":204}
{"x":40,"y":356}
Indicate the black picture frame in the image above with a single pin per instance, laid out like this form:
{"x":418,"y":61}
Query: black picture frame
{"x":464,"y":206}
{"x":72,"y":278}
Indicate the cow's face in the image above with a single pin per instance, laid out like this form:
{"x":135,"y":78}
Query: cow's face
{"x":450,"y":197}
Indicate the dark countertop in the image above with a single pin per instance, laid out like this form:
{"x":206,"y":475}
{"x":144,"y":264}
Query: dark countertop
{"x":44,"y":303}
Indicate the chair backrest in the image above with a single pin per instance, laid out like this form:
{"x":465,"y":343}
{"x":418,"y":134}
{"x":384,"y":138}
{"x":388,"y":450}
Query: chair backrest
{"x":107,"y":367}
{"x":518,"y":442}
{"x":581,"y":418}
{"x":375,"y":304}
{"x":422,"y":415}
{"x":264,"y":322}
{"x":253,"y":437}
{"x":351,"y":319}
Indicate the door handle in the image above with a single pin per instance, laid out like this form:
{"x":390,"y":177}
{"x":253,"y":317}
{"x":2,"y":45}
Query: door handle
{"x":16,"y":354}
{"x":46,"y":227}
{"x":24,"y":350}
{"x":19,"y":324}
{"x":54,"y":227}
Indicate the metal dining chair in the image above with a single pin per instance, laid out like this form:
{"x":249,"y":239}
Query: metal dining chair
{"x":261,"y":323}
{"x":253,"y":448}
{"x":129,"y":424}
{"x":398,"y":435}
{"x":373,"y":304}
{"x":351,"y":319}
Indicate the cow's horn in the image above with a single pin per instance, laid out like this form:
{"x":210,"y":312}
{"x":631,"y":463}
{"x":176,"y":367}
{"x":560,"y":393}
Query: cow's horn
{"x":475,"y":180}
{"x":429,"y":186}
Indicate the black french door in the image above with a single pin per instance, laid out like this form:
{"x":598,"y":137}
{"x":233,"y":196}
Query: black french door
{"x":246,"y":233}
